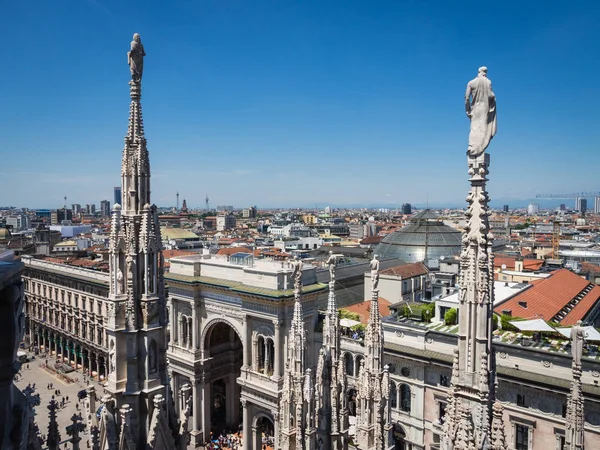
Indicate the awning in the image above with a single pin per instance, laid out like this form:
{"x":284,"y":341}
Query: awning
{"x":591,"y":334}
{"x":532,"y":325}
{"x":349,"y":323}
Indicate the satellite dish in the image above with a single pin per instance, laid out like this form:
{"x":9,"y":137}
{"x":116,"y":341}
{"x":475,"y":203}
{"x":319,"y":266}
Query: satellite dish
{"x":503,"y":266}
{"x":442,"y":258}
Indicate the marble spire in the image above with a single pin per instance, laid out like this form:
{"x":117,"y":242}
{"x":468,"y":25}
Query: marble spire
{"x":468,"y":419}
{"x":331,"y":381}
{"x":574,"y":421}
{"x":137,"y":320}
{"x":297,"y":427}
{"x":373,"y":415}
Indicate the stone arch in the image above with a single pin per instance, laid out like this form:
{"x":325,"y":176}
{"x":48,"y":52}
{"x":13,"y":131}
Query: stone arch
{"x":264,"y":330}
{"x":210,"y":325}
{"x":259,"y":426}
{"x":262,"y":415}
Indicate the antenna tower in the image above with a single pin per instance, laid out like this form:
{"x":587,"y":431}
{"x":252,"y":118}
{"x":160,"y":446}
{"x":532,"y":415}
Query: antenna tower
{"x":206,"y":200}
{"x":177,"y":207}
{"x":65,"y":202}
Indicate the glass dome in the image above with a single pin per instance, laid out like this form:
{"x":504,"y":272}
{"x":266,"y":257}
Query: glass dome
{"x":425,"y":237}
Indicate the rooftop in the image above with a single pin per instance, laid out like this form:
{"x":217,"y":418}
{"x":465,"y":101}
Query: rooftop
{"x":563,"y":297}
{"x":406,"y":271}
{"x":363,"y":309}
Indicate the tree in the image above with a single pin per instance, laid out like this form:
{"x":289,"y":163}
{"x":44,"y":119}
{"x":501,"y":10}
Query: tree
{"x":451,"y":316}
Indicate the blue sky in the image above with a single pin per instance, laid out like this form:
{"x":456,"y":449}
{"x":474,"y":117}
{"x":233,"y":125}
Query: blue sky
{"x":279,"y":103}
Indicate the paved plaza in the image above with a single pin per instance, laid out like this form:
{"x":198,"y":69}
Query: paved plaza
{"x":36,"y":376}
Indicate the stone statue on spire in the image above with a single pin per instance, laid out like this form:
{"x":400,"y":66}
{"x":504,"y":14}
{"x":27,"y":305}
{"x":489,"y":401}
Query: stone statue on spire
{"x":469,"y":422}
{"x":331,"y":261}
{"x":297,"y":275}
{"x":374,"y":266}
{"x":480,"y":105}
{"x":577,"y":337}
{"x":135,"y":58}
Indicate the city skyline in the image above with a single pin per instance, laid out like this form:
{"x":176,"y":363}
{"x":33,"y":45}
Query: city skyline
{"x":297,"y":105}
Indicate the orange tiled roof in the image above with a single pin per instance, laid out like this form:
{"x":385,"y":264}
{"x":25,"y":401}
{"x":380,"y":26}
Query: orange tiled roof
{"x":549,"y":295}
{"x":168,"y":254}
{"x":407,"y":270}
{"x":587,"y":267}
{"x":228,"y":251}
{"x":530,"y":265}
{"x":364,"y":309}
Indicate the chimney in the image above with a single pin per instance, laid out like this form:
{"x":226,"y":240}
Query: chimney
{"x":519,"y":264}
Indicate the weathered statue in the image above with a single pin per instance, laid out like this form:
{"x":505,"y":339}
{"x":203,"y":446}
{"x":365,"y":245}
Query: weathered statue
{"x":135,"y":58}
{"x":577,"y":337}
{"x":331,"y":264}
{"x":480,"y":104}
{"x":297,"y":273}
{"x":374,"y":265}
{"x":112,"y":356}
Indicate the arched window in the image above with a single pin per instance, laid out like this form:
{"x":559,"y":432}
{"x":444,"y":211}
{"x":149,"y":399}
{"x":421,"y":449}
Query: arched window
{"x":349,"y":364}
{"x":405,"y":397}
{"x":393,"y":396}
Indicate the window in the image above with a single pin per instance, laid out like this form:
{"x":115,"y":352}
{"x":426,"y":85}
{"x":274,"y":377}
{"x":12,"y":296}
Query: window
{"x":520,"y":400}
{"x":393,"y":396}
{"x":405,"y":398}
{"x":444,"y":380}
{"x":441,"y":411}
{"x":521,"y":437}
{"x":564,"y":410}
{"x":562,"y":443}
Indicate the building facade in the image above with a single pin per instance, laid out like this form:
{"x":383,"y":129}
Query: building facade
{"x":225,"y":222}
{"x":65,"y":313}
{"x":229,"y":320}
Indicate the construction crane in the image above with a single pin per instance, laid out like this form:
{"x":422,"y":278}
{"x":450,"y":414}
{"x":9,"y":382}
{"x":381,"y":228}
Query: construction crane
{"x":577,"y":196}
{"x":555,"y":239}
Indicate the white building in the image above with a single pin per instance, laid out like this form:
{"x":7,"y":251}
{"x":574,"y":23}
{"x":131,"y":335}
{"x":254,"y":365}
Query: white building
{"x":18,"y":222}
{"x":69,"y":231}
{"x":533,"y":208}
{"x":225,"y":222}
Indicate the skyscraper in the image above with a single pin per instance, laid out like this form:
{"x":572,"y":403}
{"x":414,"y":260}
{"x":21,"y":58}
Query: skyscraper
{"x":505,"y":208}
{"x":406,"y":208}
{"x":581,"y":205}
{"x":105,"y":208}
{"x":117,"y":193}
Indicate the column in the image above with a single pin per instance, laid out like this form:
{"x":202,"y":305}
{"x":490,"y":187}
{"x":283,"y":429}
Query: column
{"x":246,"y":344}
{"x":195,"y":405}
{"x":266,"y":345}
{"x":246,"y":434}
{"x":205,"y":408}
{"x":194,"y":328}
{"x":189,"y":331}
{"x":275,"y":415}
{"x":277,"y":372}
{"x":98,"y":366}
{"x":256,"y":437}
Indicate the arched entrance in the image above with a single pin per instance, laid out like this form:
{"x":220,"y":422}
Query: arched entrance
{"x":399,"y":438}
{"x":263,"y":430}
{"x":223,"y":353}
